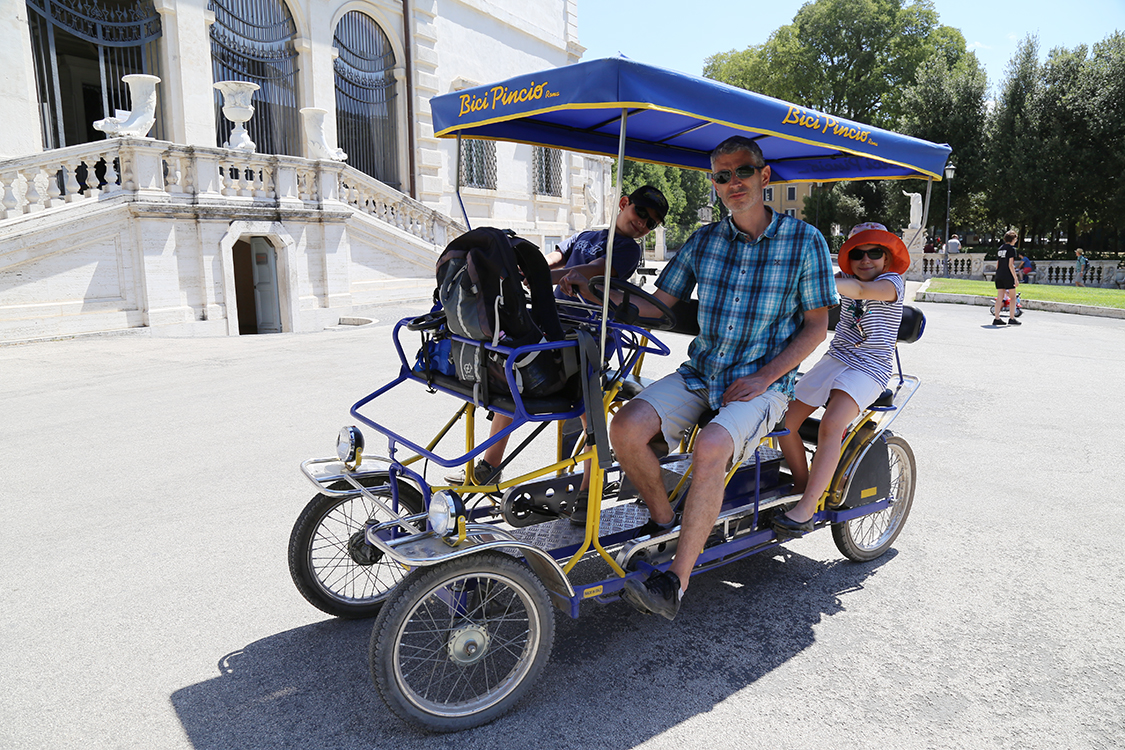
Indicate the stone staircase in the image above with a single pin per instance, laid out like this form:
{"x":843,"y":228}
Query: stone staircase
{"x":137,"y":233}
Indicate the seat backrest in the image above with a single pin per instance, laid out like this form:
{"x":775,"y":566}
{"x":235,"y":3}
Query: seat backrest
{"x":909,"y":330}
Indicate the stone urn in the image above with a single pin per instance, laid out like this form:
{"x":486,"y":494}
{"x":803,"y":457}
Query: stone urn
{"x":317,"y":137}
{"x":237,"y":108}
{"x":139,"y":120}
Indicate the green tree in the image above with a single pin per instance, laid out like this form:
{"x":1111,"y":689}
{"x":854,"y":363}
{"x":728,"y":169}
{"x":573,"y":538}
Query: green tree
{"x":1103,"y":99}
{"x":1014,"y":147}
{"x":946,"y":104}
{"x":852,"y":58}
{"x":1070,"y":154}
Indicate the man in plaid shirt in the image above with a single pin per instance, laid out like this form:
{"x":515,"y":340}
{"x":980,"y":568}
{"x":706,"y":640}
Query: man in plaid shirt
{"x":764,"y":282}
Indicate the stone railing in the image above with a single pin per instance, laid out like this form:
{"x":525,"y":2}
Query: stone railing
{"x":1099,"y":273}
{"x":31,"y":184}
{"x":158,"y":171}
{"x":1103,"y":273}
{"x":961,"y":265}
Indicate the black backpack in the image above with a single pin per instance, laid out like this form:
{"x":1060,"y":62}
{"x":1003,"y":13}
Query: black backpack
{"x":480,"y":284}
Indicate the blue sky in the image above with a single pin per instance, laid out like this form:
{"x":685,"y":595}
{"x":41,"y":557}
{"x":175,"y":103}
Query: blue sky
{"x":680,"y":35}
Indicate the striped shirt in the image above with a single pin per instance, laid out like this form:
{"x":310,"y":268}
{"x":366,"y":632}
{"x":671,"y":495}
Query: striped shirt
{"x":868,"y":329}
{"x":752,"y":298}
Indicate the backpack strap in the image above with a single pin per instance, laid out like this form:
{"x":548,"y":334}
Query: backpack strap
{"x":534,"y":268}
{"x":590,"y":373}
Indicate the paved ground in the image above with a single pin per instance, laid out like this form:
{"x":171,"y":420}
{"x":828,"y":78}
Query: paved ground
{"x":150,"y":486}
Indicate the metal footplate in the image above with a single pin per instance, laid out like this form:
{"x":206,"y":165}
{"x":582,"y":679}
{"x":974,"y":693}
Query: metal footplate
{"x":734,"y":523}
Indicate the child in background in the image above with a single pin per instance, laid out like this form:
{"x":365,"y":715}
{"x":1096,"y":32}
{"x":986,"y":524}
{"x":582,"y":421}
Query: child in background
{"x":856,"y":368}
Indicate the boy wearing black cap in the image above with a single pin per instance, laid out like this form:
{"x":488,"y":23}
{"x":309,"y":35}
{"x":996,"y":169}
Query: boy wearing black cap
{"x":583,"y":253}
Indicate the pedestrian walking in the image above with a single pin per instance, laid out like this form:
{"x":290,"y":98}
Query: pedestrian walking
{"x":1080,"y":264}
{"x":1005,"y":279}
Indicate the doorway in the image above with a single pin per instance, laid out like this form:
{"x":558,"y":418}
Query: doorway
{"x":257,"y":299}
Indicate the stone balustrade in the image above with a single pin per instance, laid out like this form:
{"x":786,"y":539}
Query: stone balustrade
{"x":1099,"y":273}
{"x":31,"y":184}
{"x":158,"y":171}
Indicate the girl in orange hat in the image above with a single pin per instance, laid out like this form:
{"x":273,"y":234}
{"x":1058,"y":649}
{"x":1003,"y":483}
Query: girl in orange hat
{"x":856,"y":368}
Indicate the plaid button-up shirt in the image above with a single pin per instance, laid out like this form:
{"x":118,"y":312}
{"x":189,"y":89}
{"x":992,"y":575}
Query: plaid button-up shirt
{"x":752,"y":298}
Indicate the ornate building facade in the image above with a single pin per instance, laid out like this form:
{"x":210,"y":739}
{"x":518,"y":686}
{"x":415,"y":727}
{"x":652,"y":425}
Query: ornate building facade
{"x":184,"y":230}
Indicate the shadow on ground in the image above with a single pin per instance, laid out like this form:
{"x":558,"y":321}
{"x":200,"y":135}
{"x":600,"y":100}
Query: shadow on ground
{"x":616,"y":678}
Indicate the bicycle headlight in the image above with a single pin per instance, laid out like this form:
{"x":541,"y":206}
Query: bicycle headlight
{"x":444,"y":511}
{"x":349,"y":446}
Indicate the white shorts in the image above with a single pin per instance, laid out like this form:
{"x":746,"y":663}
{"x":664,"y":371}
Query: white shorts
{"x":679,"y":409}
{"x":829,"y":374}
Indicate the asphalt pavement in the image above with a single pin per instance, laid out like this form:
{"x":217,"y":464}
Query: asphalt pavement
{"x":150,"y":486}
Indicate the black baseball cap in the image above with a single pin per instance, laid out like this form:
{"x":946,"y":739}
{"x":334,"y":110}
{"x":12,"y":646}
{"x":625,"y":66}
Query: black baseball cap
{"x":649,"y":197}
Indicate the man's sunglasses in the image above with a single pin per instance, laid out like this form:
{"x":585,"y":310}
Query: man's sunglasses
{"x":745,"y":172}
{"x":874,"y":253}
{"x":646,"y":216}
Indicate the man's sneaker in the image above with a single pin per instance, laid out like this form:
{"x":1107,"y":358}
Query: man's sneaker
{"x":1014,"y":322}
{"x":652,"y":528}
{"x":482,"y":472}
{"x":658,"y":595}
{"x":997,"y":322}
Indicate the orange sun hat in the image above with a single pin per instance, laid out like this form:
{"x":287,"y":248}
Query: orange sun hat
{"x":871,"y":233}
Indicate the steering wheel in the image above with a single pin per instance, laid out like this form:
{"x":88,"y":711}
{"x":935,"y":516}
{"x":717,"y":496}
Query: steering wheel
{"x":626,"y":312}
{"x":427,"y":322}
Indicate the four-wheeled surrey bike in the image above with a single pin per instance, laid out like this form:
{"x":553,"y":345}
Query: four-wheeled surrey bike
{"x":465,"y":580}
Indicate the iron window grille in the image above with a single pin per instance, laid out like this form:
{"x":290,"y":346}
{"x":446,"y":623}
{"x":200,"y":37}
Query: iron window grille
{"x":478,"y":164}
{"x":546,"y":171}
{"x":90,"y":45}
{"x":252,"y":40}
{"x":366,"y":116}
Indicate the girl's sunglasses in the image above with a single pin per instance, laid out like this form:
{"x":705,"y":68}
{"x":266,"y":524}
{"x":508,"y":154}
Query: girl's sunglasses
{"x":745,"y":172}
{"x":874,"y":253}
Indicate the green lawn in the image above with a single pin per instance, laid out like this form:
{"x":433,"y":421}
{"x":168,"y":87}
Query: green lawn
{"x":1045,"y":292}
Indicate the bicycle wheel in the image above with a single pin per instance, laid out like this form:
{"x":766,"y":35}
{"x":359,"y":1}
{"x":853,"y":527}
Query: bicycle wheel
{"x":867,"y":537}
{"x":460,"y":643}
{"x":330,"y":561}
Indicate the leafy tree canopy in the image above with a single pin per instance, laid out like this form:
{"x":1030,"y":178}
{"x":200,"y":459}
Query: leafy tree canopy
{"x":852,"y":58}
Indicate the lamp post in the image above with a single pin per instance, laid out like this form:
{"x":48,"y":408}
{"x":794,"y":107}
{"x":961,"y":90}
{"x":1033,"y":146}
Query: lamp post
{"x":949,"y":170}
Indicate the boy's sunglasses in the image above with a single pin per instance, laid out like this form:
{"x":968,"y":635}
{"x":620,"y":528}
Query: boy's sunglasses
{"x":646,"y":217}
{"x":745,"y":172}
{"x":874,"y":253}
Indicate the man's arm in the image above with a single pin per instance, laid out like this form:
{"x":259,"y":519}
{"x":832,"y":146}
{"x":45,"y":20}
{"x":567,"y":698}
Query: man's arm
{"x":812,"y":333}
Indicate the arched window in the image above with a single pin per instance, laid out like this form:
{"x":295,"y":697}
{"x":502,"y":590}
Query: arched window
{"x":365,"y":97}
{"x":252,"y":40}
{"x":82,"y":48}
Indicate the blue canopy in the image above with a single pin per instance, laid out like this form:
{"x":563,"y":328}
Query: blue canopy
{"x":676,"y":119}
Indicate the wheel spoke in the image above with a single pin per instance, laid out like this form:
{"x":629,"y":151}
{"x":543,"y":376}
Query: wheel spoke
{"x":330,"y":561}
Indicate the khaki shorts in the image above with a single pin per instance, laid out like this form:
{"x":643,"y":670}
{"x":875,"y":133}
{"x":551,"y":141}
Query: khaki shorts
{"x":679,"y":409}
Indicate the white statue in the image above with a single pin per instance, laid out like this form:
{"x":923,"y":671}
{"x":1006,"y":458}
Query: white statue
{"x":593,"y":208}
{"x":139,"y":120}
{"x":915,"y":209}
{"x":237,"y":108}
{"x":317,"y":137}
